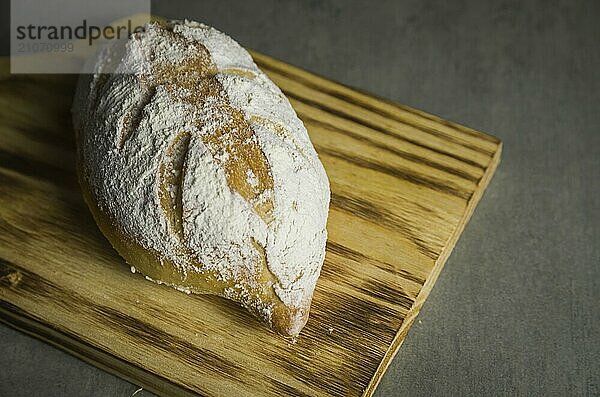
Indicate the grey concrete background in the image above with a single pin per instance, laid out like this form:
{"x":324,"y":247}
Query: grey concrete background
{"x":516,"y":310}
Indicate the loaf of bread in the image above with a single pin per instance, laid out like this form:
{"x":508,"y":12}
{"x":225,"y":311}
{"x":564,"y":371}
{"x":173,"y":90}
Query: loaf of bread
{"x":200,"y":174}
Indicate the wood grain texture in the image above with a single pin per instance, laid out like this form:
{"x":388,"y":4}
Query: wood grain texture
{"x":404,"y":184}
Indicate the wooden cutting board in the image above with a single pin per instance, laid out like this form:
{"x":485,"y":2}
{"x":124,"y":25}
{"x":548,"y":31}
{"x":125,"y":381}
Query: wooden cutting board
{"x":404,"y":183}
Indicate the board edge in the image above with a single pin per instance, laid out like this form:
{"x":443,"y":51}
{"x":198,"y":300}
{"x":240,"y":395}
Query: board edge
{"x":19,"y":320}
{"x":434,"y":274}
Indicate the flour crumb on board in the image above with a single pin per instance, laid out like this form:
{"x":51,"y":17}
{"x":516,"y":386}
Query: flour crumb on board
{"x":13,"y":278}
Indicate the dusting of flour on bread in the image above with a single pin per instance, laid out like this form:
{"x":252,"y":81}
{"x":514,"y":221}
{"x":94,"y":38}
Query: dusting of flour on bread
{"x":198,"y":154}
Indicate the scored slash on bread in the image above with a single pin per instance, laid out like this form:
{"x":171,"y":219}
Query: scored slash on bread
{"x":200,"y":174}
